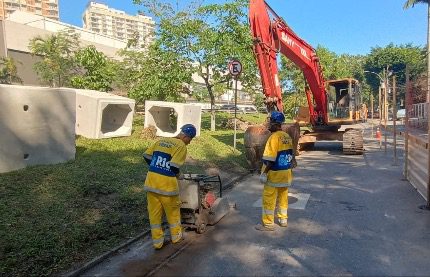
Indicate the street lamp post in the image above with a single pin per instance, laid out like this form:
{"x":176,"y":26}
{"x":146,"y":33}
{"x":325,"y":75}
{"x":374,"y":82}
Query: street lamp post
{"x":384,"y":87}
{"x":381,"y":93}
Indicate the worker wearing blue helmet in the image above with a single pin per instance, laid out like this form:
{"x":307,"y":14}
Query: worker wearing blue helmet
{"x":165,"y":157}
{"x":276,"y":174}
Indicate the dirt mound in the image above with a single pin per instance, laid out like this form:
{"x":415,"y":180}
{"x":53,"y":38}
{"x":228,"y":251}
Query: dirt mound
{"x":149,"y":133}
{"x":240,"y":124}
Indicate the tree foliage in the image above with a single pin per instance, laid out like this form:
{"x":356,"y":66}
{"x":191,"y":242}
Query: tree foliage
{"x":395,"y":58}
{"x":9,"y":71}
{"x":156,"y":74}
{"x":411,"y":3}
{"x":95,"y":70}
{"x":208,"y":37}
{"x":56,"y":52}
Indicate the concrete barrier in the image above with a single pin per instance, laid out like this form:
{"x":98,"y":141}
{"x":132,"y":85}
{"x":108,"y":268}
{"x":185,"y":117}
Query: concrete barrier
{"x":37,"y":126}
{"x":168,"y":117}
{"x":103,"y":115}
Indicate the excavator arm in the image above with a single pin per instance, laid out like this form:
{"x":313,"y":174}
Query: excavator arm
{"x":272,"y":35}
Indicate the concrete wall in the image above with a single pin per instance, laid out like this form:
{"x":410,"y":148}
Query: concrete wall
{"x":169,"y":117}
{"x":17,"y":46}
{"x":103,"y":115}
{"x":24,"y":20}
{"x":37,"y":126}
{"x":25,"y":63}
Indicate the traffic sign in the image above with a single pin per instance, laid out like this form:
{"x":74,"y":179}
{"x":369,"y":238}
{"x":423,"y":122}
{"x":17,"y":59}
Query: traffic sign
{"x":235,"y":67}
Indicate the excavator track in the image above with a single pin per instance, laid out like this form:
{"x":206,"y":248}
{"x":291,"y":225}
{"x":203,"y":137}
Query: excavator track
{"x":353,"y":142}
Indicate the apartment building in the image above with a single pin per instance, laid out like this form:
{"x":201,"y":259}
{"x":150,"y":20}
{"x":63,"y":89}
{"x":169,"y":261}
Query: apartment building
{"x":101,"y":19}
{"x":47,"y":8}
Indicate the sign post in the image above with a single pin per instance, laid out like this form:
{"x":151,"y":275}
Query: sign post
{"x":235,"y":68}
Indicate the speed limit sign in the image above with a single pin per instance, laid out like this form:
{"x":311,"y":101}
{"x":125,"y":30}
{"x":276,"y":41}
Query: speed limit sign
{"x":235,"y":67}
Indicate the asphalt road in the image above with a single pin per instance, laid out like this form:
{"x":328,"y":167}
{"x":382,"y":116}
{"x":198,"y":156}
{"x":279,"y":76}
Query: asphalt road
{"x":349,"y":216}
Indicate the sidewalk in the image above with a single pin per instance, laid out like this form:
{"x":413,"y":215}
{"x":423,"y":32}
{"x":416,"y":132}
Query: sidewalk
{"x":349,"y":215}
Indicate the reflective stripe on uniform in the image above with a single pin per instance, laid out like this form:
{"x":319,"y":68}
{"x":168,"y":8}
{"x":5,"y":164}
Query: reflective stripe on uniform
{"x":157,"y":241}
{"x":277,"y":185}
{"x":155,"y":226}
{"x":177,"y":237}
{"x":175,"y":225}
{"x":162,"y":192}
{"x":269,"y":212}
{"x":175,"y":165}
{"x":271,"y":159}
{"x":283,"y":211}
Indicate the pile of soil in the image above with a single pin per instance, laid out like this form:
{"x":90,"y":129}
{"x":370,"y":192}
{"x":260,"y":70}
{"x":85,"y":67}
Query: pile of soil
{"x":240,"y":124}
{"x":149,"y":133}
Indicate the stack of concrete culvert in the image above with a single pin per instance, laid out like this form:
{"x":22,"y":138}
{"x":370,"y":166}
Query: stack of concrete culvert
{"x":38,"y":125}
{"x":103,"y":115}
{"x":169,"y":117}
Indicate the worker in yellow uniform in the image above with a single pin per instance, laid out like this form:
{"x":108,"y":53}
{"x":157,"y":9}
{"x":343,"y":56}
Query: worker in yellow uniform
{"x":276,"y":174}
{"x":165,"y":157}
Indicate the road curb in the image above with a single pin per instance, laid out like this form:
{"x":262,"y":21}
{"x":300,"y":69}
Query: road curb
{"x":101,"y":258}
{"x":230,"y":184}
{"x":97,"y":260}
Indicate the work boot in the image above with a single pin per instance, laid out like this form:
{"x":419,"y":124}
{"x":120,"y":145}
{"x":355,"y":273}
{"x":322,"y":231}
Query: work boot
{"x":264,"y":228}
{"x":181,"y":239}
{"x":283,"y":222}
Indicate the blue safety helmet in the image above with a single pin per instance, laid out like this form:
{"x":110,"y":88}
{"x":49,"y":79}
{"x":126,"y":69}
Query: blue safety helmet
{"x":277,"y":117}
{"x":189,"y":130}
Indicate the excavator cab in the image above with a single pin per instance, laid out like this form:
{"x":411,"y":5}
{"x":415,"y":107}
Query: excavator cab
{"x":343,"y":101}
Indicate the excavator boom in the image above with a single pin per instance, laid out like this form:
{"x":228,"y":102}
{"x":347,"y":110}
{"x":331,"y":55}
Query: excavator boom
{"x":330,"y":103}
{"x":272,"y":35}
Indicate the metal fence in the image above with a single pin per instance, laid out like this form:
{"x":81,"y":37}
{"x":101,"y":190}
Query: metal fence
{"x":418,"y":116}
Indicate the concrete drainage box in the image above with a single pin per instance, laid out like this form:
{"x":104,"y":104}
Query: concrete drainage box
{"x":37,"y":126}
{"x":169,"y":117}
{"x":103,"y":115}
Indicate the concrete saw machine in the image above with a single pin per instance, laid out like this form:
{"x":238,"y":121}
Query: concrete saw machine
{"x":202,"y":202}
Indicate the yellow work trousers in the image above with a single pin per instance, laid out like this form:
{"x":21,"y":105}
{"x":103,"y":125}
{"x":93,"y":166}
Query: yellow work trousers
{"x":170,"y":205}
{"x":270,"y":196}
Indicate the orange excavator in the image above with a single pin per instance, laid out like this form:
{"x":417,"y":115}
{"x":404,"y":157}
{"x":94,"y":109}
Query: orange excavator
{"x":330,"y":103}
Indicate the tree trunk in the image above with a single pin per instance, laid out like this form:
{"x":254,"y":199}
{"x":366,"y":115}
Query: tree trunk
{"x":212,"y":109}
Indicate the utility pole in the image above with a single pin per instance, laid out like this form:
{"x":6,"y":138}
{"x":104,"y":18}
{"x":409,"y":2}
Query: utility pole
{"x":407,"y":105}
{"x":381,"y":87}
{"x":385,"y":110}
{"x":371,"y":108}
{"x":394,"y":120}
{"x":235,"y":68}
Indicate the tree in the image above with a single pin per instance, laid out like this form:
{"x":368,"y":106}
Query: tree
{"x":411,"y":3}
{"x":57,"y":57}
{"x":8,"y":71}
{"x":208,"y":37}
{"x":95,"y":72}
{"x":156,"y":74}
{"x":396,"y":58}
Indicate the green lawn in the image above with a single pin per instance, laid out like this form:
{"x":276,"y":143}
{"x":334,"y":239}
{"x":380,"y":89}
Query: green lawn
{"x":57,"y":216}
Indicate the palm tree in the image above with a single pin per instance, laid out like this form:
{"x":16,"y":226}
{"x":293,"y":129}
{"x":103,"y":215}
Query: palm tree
{"x":412,"y":3}
{"x":56,"y":54}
